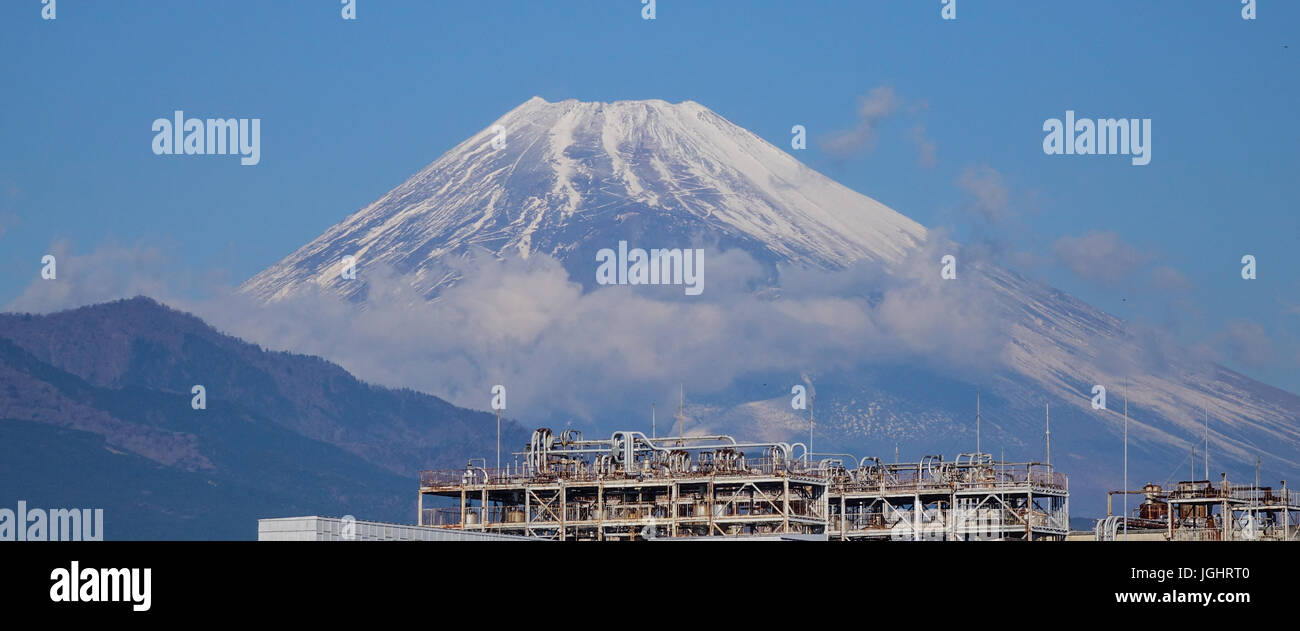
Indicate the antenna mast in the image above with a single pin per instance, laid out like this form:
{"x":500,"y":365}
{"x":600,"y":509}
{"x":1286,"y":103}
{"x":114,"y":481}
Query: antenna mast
{"x":1048,"y":408}
{"x":812,"y":415}
{"x":1207,"y":442}
{"x":977,"y":422}
{"x":1126,"y":460}
{"x":652,"y":420}
{"x":681,"y":416}
{"x":1255,"y":495}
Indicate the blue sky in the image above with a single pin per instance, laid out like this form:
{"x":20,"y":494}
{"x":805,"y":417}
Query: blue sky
{"x":350,"y":109}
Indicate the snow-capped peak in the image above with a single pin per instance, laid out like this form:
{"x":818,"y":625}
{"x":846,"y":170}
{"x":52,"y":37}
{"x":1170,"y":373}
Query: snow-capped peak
{"x":567,"y":177}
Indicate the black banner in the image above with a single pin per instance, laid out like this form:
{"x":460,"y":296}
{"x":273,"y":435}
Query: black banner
{"x":308,"y":580}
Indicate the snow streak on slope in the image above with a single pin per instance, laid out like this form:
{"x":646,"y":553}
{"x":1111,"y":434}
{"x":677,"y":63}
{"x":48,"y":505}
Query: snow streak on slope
{"x":575,"y":177}
{"x":1064,"y":347}
{"x":1054,"y":349}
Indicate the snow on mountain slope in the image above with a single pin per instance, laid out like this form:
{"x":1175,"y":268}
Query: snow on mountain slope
{"x":1053,"y":349}
{"x":573,"y":174}
{"x":575,"y":177}
{"x":1065,"y":346}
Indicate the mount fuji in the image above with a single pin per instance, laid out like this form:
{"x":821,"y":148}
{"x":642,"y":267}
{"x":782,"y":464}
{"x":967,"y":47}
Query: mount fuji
{"x":566,"y":179}
{"x":570,"y":174}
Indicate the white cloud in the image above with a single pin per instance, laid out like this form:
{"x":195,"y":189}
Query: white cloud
{"x":877,"y":105}
{"x":925,"y":147}
{"x":1169,"y":279}
{"x":562,"y":351}
{"x":1249,"y":343}
{"x":1100,"y":257}
{"x":989,"y":197}
{"x":110,"y":272}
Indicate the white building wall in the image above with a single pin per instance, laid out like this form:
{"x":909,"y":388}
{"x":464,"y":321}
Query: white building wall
{"x":314,"y":528}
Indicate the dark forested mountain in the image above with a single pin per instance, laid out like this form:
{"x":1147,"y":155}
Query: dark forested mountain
{"x":95,"y":412}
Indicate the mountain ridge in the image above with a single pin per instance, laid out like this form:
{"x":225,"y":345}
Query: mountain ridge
{"x":95,"y":408}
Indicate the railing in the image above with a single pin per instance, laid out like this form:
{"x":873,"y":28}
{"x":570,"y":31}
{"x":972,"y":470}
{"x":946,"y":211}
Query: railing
{"x":1263,"y":495}
{"x":987,"y":521}
{"x":1050,"y":479}
{"x":1198,"y":534}
{"x":895,"y":480}
{"x":443,"y":517}
{"x":1021,"y":476}
{"x":475,"y":516}
{"x":495,"y":516}
{"x":511,"y":476}
{"x":857,"y":523}
{"x":477,"y":475}
{"x":975,"y":479}
{"x":1195,"y":493}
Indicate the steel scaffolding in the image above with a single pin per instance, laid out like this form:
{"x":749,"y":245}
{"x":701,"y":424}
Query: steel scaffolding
{"x":632,"y":486}
{"x":1199,"y":510}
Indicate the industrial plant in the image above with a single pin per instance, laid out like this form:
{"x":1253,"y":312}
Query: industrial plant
{"x":631,"y":486}
{"x":1199,"y":510}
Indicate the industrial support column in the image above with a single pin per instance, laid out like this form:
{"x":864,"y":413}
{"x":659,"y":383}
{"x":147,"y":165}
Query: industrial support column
{"x":825,"y":502}
{"x":843,"y":519}
{"x":1065,"y":505}
{"x":711,"y":509}
{"x":1029,"y":512}
{"x":956,"y":519}
{"x":1286,"y":513}
{"x":785,"y":503}
{"x":916,"y":517}
{"x":1224,"y":514}
{"x":672,"y":499}
{"x":564,"y":511}
{"x":1171,"y":508}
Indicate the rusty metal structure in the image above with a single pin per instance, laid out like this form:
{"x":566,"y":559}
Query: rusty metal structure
{"x":1199,"y":510}
{"x":632,"y":486}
